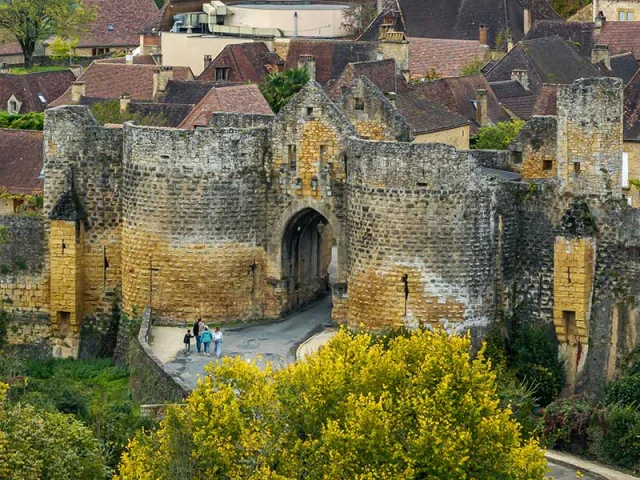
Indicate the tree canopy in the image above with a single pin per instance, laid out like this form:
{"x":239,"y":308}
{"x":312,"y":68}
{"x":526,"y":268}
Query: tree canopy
{"x":32,"y":21}
{"x":24,"y":121}
{"x":416,"y":407}
{"x":498,"y":136}
{"x":46,"y":445}
{"x":278,"y":88}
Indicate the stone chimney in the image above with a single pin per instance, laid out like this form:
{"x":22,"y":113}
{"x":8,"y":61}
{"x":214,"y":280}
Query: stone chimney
{"x":596,"y":9}
{"x":521,"y":76}
{"x":207,"y":61}
{"x":600,"y":54}
{"x":482,"y":108}
{"x":125,"y":100}
{"x":599,"y":22}
{"x":509,"y":42}
{"x":482,"y":35}
{"x":527,"y":20}
{"x":129,"y":58}
{"x":161,"y":79}
{"x":308,"y":63}
{"x":77,"y":92}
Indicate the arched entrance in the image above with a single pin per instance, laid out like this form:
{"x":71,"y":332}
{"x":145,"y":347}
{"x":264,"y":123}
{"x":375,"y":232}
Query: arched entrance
{"x":307,"y":247}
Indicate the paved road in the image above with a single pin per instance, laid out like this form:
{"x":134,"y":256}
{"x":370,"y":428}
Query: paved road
{"x":559,"y":472}
{"x":274,"y":342}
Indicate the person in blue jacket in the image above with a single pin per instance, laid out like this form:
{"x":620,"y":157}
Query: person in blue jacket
{"x":206,"y":339}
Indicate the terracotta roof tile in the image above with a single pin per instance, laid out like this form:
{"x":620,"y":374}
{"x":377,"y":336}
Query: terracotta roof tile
{"x":460,"y":19}
{"x":128,"y":17}
{"x":546,"y":100}
{"x":622,"y":37}
{"x":237,"y":99}
{"x":248,"y":62}
{"x":513,"y":96}
{"x":446,"y":57}
{"x":382,"y":73}
{"x":424,"y":115}
{"x":137,"y":60}
{"x":21,"y":161}
{"x":331,"y":56}
{"x":28,"y":88}
{"x":110,"y":80}
{"x":10,"y":48}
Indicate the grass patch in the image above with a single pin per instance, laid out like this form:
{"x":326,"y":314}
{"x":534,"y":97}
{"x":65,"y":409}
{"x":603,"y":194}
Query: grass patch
{"x":26,"y":71}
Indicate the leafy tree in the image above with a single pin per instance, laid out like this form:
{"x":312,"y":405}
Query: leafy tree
{"x":421,"y":407}
{"x":472,"y":67}
{"x":45,"y":445}
{"x":109,"y":112}
{"x":26,"y":121}
{"x":32,"y":21}
{"x":278,"y":88}
{"x":358,"y":16}
{"x":496,"y":137}
{"x":566,"y":8}
{"x":62,"y":48}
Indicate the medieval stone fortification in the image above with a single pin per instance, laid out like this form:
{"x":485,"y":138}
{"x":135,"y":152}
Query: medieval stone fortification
{"x":238,"y":221}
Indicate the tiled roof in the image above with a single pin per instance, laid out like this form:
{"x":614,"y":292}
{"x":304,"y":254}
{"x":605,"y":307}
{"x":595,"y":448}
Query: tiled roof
{"x":624,"y":66}
{"x":547,"y":60}
{"x":382,"y":73}
{"x":236,"y":99}
{"x":423,"y":115}
{"x":110,"y":80}
{"x":127,"y":17}
{"x":546,"y":100}
{"x":459,"y":94}
{"x":460,"y":19}
{"x":622,"y":37}
{"x":578,"y":34}
{"x":446,"y":57}
{"x":249,"y":62}
{"x":191,"y":91}
{"x":513,"y":96}
{"x":28,"y":88}
{"x":137,"y":60}
{"x":173,"y":113}
{"x":21,"y":161}
{"x":331,"y":56}
{"x":10,"y":48}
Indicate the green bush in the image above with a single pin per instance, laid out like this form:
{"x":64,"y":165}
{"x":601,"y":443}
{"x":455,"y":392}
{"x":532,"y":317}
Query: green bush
{"x":27,"y":121}
{"x":625,"y":391}
{"x":519,"y":397}
{"x":496,"y":137}
{"x":565,"y":424}
{"x":620,"y":441}
{"x":535,"y":358}
{"x":42,"y":369}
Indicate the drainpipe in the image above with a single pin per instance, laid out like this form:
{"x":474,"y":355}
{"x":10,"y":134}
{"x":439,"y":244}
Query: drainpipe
{"x":295,"y":25}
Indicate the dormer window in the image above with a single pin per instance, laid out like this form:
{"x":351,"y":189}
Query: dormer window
{"x":13,"y":105}
{"x":222,"y":74}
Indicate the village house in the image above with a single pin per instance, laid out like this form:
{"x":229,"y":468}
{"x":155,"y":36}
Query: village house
{"x":20,"y":168}
{"x":32,"y":92}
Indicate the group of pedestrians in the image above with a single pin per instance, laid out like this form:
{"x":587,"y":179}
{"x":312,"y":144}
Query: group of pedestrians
{"x":204,"y":338}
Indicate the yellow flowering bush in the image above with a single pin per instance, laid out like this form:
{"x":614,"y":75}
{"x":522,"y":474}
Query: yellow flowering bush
{"x":422,"y":408}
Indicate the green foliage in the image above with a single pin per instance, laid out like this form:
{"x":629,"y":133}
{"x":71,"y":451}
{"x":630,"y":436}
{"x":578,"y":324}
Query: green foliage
{"x":24,"y":121}
{"x":472,"y":67}
{"x":4,"y":320}
{"x":566,"y":422}
{"x":36,"y":69}
{"x":160,"y":3}
{"x":358,"y":16}
{"x":46,"y":445}
{"x":625,"y":391}
{"x":519,"y":397}
{"x":496,"y":137}
{"x":62,"y":48}
{"x":535,"y":360}
{"x":619,"y":443}
{"x":33,"y":21}
{"x":566,"y":8}
{"x":278,"y":88}
{"x":421,"y":408}
{"x":109,"y":112}
{"x":92,"y":391}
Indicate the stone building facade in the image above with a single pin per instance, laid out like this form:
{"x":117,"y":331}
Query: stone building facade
{"x":240,"y":220}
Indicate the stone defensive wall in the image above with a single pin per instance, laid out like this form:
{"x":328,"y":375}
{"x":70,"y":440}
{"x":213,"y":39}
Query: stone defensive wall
{"x":426,"y":236}
{"x":194,"y":221}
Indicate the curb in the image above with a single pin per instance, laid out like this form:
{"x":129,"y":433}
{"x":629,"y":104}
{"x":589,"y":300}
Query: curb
{"x":594,"y":469}
{"x":310,"y":340}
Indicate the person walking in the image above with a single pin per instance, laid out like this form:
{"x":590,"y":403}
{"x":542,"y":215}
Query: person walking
{"x":187,"y":342}
{"x":196,"y":333}
{"x":206,"y":338}
{"x":217,"y":341}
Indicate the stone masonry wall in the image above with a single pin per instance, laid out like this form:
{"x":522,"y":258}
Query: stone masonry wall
{"x":535,"y":148}
{"x":589,"y":148}
{"x":423,"y":236}
{"x":194,"y":223}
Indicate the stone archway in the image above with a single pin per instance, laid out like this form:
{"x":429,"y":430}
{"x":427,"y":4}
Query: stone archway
{"x":306,"y":253}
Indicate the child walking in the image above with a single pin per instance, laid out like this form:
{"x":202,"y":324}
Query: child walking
{"x":206,"y":340}
{"x":187,"y":341}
